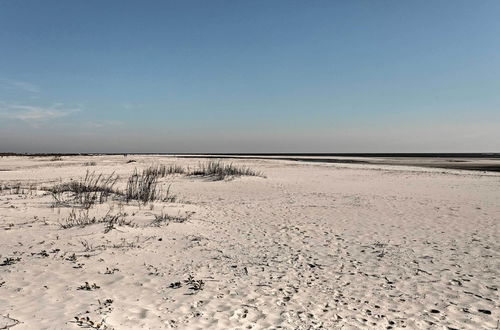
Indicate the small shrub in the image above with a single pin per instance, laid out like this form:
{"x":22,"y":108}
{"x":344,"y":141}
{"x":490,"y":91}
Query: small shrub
{"x":90,"y":164}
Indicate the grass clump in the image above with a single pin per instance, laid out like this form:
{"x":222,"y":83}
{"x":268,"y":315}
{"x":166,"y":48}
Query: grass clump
{"x":219,"y":171}
{"x":215,"y":170}
{"x":17,"y":188}
{"x":14,"y":188}
{"x":91,"y":189}
{"x":143,"y":186}
{"x":164,"y":218}
{"x":162,"y":171}
{"x":82,"y":219}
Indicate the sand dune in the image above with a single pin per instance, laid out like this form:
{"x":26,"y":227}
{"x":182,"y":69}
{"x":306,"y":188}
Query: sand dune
{"x":308,"y":246}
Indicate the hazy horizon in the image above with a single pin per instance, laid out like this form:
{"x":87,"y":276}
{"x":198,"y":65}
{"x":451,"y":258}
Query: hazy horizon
{"x":249,"y":77}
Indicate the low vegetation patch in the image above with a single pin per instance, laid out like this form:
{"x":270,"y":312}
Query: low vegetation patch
{"x":195,"y":285}
{"x":211,"y":169}
{"x":82,"y":219}
{"x":91,"y":189}
{"x":219,"y":171}
{"x":143,"y":186}
{"x":17,"y":188}
{"x":10,"y":261}
{"x":164,"y":218}
{"x":86,"y":322}
{"x":162,"y":171}
{"x":123,"y":244}
{"x":13,"y":188}
{"x":88,"y":287}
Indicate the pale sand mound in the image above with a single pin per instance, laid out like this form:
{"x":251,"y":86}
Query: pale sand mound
{"x":311,"y":246}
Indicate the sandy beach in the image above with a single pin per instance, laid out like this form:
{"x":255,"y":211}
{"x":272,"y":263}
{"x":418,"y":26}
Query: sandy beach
{"x":301,"y":246}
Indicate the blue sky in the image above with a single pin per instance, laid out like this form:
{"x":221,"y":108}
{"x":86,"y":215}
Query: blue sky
{"x":249,"y":76}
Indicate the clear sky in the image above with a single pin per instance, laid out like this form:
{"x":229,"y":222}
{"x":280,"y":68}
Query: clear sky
{"x":249,"y":76}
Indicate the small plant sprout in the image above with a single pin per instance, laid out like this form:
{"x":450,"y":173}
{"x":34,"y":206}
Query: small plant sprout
{"x":195,"y":285}
{"x":88,"y":287}
{"x":10,"y":261}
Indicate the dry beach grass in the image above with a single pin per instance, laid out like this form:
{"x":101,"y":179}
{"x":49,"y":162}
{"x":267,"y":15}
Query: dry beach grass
{"x":104,"y":243}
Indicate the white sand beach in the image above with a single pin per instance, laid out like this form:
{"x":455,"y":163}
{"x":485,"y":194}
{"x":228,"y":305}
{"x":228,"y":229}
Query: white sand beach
{"x":305,"y":246}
